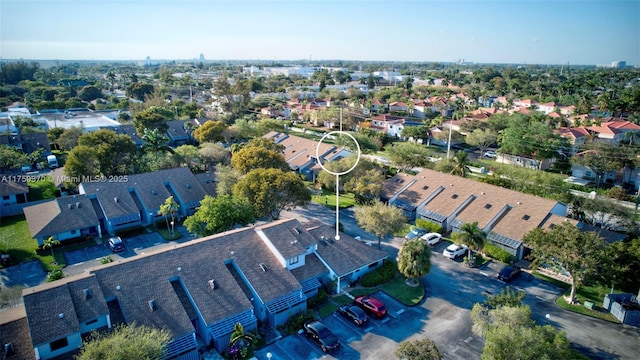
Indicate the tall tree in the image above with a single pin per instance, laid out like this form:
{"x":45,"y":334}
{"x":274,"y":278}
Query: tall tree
{"x":156,"y":142}
{"x":482,"y":138}
{"x":581,"y":254}
{"x":151,"y":118}
{"x":525,"y":136}
{"x":169,"y":208}
{"x":50,"y":242}
{"x":82,"y":161}
{"x":126,"y":342}
{"x":600,"y":157}
{"x":68,"y":139}
{"x":211,"y":131}
{"x":115,"y":152}
{"x":422,"y":349}
{"x":460,"y":163}
{"x":271,"y":191}
{"x":406,"y":156}
{"x":251,"y":157}
{"x":226,"y":177}
{"x":380,"y":219}
{"x":471,"y":235}
{"x":139,"y":90}
{"x":218,"y":214}
{"x":11,"y":158}
{"x":414,"y":259}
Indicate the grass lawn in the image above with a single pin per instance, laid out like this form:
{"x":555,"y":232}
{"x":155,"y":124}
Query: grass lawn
{"x":341,"y":300}
{"x":42,"y":189}
{"x":404,"y":293}
{"x":595,"y":294}
{"x":166,"y":234}
{"x":329,"y":200}
{"x":326,"y":309}
{"x":16,"y":240}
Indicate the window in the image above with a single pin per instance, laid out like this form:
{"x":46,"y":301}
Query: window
{"x":293,"y":260}
{"x":6,"y":197}
{"x":58,"y":344}
{"x":91,"y":321}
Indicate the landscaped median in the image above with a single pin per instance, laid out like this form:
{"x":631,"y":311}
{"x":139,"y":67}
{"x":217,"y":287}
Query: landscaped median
{"x":584,"y":294}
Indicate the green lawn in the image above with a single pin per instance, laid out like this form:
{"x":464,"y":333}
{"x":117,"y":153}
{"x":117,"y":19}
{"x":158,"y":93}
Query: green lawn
{"x":404,"y":293}
{"x":595,"y":294}
{"x":166,"y":234}
{"x":16,"y":240}
{"x":42,"y":189}
{"x":329,"y":200}
{"x":326,"y":309}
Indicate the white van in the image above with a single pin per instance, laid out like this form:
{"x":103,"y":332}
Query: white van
{"x":53,"y":161}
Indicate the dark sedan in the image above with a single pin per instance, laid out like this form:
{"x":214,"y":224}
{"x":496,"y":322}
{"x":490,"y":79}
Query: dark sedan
{"x":353,"y":313}
{"x":508,"y":273}
{"x":321,"y":335}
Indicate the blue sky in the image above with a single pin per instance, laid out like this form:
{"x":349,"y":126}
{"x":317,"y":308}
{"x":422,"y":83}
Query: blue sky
{"x":500,"y":31}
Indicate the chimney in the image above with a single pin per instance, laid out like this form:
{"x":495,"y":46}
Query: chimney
{"x":212,"y":284}
{"x":87,"y":294}
{"x":152,"y":305}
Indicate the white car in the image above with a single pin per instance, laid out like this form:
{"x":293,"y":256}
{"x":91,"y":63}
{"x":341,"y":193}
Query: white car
{"x":490,"y":154}
{"x":454,"y":250}
{"x":431,"y":238}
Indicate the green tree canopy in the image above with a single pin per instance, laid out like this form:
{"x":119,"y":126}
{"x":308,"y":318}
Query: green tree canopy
{"x":422,"y":349}
{"x":600,"y":157}
{"x":414,"y":259}
{"x":126,"y":342}
{"x":565,"y":247}
{"x":380,"y":219}
{"x":115,"y":152}
{"x":218,"y":214}
{"x":528,"y":137}
{"x":226,"y":177}
{"x":271,"y":191}
{"x":151,"y":118}
{"x":11,"y":158}
{"x":471,"y":235}
{"x":68,"y":139}
{"x":139,"y":91}
{"x":252,"y":157}
{"x":82,"y":161}
{"x":406,"y":156}
{"x":210,"y":131}
{"x":482,"y":138}
{"x":90,"y":93}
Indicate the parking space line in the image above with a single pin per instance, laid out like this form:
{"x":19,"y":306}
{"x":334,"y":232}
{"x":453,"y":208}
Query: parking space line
{"x":368,"y":329}
{"x":385,"y":320}
{"x":400,"y":311}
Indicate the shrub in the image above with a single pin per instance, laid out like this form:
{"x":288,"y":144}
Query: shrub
{"x":498,"y":253}
{"x":381,"y":275}
{"x":429,"y":225}
{"x":318,"y":299}
{"x":106,"y":259}
{"x":296,"y":321}
{"x":55,"y":274}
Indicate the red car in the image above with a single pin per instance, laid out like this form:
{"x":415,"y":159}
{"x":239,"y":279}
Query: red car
{"x":372,"y":305}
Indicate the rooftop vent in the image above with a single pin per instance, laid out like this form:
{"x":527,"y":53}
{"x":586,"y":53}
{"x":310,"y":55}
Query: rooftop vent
{"x":425,"y":187}
{"x":78,"y":205}
{"x":179,"y":268}
{"x":188,"y":185}
{"x":115,"y":199}
{"x":118,"y":287}
{"x":212,"y":284}
{"x":526,"y":217}
{"x":296,"y":231}
{"x":454,"y":196}
{"x":154,"y":192}
{"x":263,"y":267}
{"x":519,"y":203}
{"x":152,"y":305}
{"x":481,"y":192}
{"x":487,"y":206}
{"x":70,"y":206}
{"x":87,"y":294}
{"x":61,"y":315}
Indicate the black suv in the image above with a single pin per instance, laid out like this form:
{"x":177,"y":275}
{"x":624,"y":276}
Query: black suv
{"x":508,"y":273}
{"x":354,"y":314}
{"x":321,"y":335}
{"x":116,"y":244}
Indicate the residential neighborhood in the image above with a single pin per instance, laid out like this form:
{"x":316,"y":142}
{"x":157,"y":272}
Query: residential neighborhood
{"x":217,"y":194}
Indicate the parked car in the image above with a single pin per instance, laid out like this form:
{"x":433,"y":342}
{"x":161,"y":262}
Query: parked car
{"x":454,"y":250}
{"x":508,"y":273}
{"x":116,"y":244}
{"x":321,"y":335}
{"x":371,"y":305}
{"x":431,"y":238}
{"x":415,"y":233}
{"x":353,"y":313}
{"x":490,"y":154}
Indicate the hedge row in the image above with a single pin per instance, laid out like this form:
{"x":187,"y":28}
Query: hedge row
{"x":381,"y":275}
{"x":429,"y":226}
{"x":498,"y":253}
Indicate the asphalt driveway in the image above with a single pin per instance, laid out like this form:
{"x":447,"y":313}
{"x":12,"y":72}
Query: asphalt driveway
{"x":25,"y":274}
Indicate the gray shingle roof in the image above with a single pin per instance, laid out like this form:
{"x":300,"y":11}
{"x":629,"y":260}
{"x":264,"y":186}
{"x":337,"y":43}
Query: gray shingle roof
{"x":16,"y":332}
{"x":11,"y":187}
{"x":289,"y":238}
{"x":60,"y":215}
{"x":50,"y":313}
{"x":87,"y":297}
{"x":344,"y":255}
{"x":115,"y":199}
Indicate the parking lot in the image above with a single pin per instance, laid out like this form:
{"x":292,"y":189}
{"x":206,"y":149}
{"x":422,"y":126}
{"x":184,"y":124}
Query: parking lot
{"x":400,"y":322}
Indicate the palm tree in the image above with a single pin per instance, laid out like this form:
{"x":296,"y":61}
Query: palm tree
{"x":471,"y":235}
{"x":188,"y":128}
{"x":414,"y":259}
{"x":170,"y":207}
{"x":156,"y":142}
{"x":460,"y":164}
{"x":241,"y":341}
{"x":50,"y":242}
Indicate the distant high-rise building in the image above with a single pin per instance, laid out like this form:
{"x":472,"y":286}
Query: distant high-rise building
{"x":618,"y":64}
{"x":201,"y":57}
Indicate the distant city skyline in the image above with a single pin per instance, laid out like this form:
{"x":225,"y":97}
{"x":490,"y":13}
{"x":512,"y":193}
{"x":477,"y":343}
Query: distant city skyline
{"x":494,"y":31}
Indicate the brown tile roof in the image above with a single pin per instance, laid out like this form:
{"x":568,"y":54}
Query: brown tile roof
{"x":392,"y":185}
{"x":60,"y":215}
